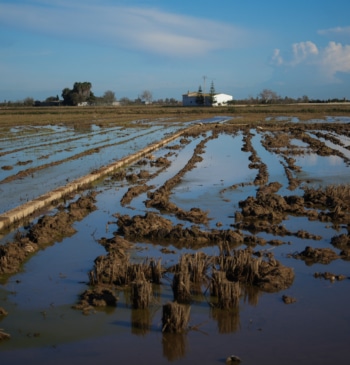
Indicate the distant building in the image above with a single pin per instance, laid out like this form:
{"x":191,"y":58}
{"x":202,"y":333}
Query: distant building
{"x":222,"y":99}
{"x":191,"y":99}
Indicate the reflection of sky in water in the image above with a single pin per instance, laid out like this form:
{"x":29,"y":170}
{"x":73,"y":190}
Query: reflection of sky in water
{"x":19,"y":191}
{"x":271,"y":160}
{"x":66,"y":149}
{"x":330,"y":144}
{"x":223,"y":165}
{"x":298,"y":143}
{"x":282,"y":119}
{"x":343,"y":139}
{"x":328,"y":170}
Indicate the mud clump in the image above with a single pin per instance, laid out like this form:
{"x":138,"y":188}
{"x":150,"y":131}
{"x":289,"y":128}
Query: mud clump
{"x":316,"y":255}
{"x":342,"y":242}
{"x":330,"y":276}
{"x":133,"y":192}
{"x":153,"y":227}
{"x":288,"y":300}
{"x":334,"y":200}
{"x":116,"y":244}
{"x":97,"y":297}
{"x":160,"y":200}
{"x":13,"y":254}
{"x":50,"y":228}
{"x":161,"y":162}
{"x":270,"y":206}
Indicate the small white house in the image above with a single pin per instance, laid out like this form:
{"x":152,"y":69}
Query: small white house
{"x":222,"y":99}
{"x":191,"y":99}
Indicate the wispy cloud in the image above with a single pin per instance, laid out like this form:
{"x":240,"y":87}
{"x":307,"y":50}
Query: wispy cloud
{"x":277,"y":58}
{"x":335,"y":31}
{"x":136,"y":28}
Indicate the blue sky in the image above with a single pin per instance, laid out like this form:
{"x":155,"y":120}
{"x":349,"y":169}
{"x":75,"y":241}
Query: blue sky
{"x":294,"y":48}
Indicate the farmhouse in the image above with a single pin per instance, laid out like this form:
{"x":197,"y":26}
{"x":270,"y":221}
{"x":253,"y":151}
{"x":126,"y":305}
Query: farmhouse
{"x":199,"y":99}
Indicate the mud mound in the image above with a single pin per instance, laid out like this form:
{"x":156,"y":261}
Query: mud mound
{"x":133,"y":192}
{"x":316,"y":255}
{"x":330,"y":276}
{"x":153,"y":227}
{"x":96,"y":297}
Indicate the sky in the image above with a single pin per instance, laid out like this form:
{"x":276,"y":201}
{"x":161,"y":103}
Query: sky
{"x":294,"y":48}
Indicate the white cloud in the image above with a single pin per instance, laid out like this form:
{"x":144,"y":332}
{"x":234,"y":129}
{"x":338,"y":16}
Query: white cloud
{"x":135,"y":28}
{"x":336,"y":58}
{"x":303,"y":51}
{"x":327,"y":61}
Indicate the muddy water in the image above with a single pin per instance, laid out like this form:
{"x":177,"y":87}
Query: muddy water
{"x":264,"y":330}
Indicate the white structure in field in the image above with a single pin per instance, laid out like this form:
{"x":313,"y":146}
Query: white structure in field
{"x":222,"y":99}
{"x":191,"y":99}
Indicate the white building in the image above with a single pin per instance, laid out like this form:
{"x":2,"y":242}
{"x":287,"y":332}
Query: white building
{"x":190,"y":99}
{"x":222,"y":99}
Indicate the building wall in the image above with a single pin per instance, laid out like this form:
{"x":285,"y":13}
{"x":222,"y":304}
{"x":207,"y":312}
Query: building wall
{"x":189,"y":100}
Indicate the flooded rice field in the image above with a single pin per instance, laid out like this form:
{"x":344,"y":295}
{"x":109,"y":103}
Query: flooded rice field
{"x":230,"y":243}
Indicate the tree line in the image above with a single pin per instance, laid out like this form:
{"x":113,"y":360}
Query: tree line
{"x":81,"y":94}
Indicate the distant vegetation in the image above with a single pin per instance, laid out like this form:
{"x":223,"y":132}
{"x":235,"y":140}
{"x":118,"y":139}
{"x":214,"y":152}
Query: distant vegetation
{"x":81,"y":95}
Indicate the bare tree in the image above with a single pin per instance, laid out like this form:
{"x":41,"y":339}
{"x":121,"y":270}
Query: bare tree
{"x":268,"y":96}
{"x":28,"y":101}
{"x":109,"y":97}
{"x":146,"y":96}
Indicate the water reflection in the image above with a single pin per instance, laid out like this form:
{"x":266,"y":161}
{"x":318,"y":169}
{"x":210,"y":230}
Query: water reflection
{"x":251,"y":294}
{"x":228,"y":321}
{"x":141,"y":321}
{"x":174,"y":346}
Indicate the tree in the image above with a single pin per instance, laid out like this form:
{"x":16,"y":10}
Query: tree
{"x":212,"y":93}
{"x":28,"y":101}
{"x":200,"y":97}
{"x":304,"y":99}
{"x":80,"y":93}
{"x":109,"y":97}
{"x":52,"y":99}
{"x":146,"y":96}
{"x":125,"y":101}
{"x":268,"y":96}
